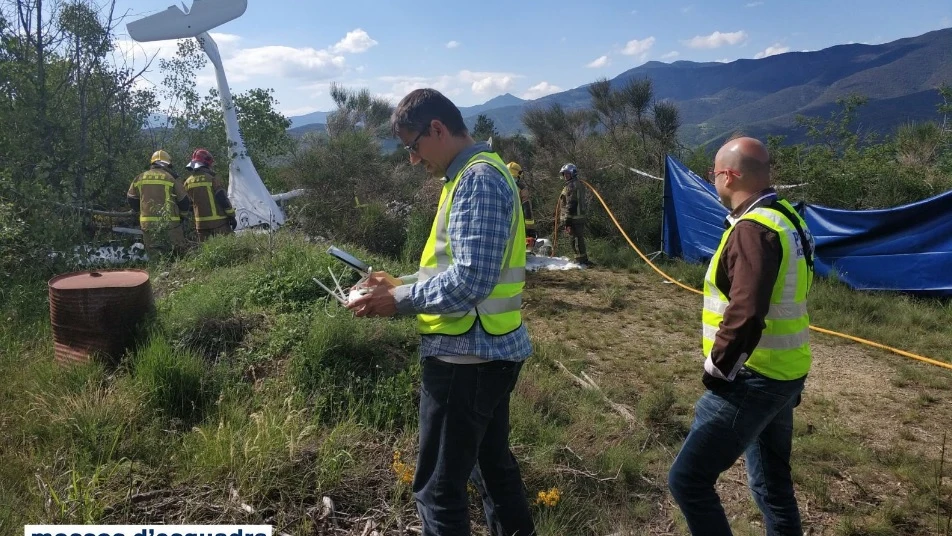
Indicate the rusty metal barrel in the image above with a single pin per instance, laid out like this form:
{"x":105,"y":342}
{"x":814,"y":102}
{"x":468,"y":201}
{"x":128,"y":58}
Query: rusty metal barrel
{"x":95,"y":313}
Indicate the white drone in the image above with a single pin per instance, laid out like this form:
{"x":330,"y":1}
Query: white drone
{"x":254,"y":206}
{"x":353,"y":263}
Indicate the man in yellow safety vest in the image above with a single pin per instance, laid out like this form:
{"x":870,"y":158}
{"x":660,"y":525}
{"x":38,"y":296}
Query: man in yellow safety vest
{"x":467,"y":296}
{"x":756,"y":348}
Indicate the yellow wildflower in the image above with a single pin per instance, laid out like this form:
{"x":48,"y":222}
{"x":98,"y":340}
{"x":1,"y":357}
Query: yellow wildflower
{"x":404,"y":471}
{"x":549,"y":497}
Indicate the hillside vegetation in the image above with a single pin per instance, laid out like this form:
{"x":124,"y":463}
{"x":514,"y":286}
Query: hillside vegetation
{"x":252,"y":398}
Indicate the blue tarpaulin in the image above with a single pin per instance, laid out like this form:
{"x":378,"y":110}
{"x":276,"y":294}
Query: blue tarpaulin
{"x":907,"y":248}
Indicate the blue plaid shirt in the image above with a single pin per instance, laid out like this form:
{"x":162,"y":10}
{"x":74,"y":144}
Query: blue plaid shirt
{"x":478,"y":232}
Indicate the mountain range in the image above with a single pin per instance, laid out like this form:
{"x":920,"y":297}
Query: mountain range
{"x":764,"y":96}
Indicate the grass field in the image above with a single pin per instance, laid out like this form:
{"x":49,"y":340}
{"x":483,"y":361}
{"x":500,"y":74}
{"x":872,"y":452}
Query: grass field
{"x":254,"y":400}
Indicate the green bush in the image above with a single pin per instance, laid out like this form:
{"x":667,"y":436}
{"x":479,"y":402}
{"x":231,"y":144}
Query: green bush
{"x":359,"y":369}
{"x":224,"y":251}
{"x":419,"y":223}
{"x":177,"y":383}
{"x":376,"y":229}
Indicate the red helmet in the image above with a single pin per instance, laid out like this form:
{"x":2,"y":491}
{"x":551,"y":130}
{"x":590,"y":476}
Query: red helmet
{"x":201,"y":157}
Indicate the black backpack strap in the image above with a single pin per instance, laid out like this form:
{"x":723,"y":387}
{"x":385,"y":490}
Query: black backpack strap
{"x":795,"y":220}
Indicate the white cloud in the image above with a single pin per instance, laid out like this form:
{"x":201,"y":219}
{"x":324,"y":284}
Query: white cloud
{"x":300,"y":110}
{"x":452,"y":44}
{"x":754,"y":4}
{"x":355,"y":42}
{"x":634,"y":11}
{"x":600,"y":61}
{"x":635,"y":46}
{"x":776,"y":48}
{"x":670,"y":55}
{"x":540,"y":90}
{"x":401,"y":85}
{"x":285,"y":62}
{"x":225,"y":40}
{"x":484,"y":82}
{"x":687,"y":9}
{"x":716,"y":39}
{"x":478,"y":82}
{"x":724,"y":60}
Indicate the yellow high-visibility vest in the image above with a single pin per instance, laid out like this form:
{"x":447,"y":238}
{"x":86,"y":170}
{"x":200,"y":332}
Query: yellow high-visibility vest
{"x":500,"y":313}
{"x":783,"y":352}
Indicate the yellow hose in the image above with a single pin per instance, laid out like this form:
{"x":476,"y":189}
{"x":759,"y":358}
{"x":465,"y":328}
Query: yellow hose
{"x":814,"y":328}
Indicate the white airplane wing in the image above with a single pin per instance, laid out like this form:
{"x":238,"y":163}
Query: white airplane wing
{"x":173,"y":23}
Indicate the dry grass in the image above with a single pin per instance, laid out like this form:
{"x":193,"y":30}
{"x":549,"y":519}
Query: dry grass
{"x":868,"y":434}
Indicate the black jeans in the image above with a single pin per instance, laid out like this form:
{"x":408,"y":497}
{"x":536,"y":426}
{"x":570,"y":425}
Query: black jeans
{"x":464,"y":420}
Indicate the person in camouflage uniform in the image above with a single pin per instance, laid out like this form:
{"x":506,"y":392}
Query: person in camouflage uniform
{"x":573,"y":215}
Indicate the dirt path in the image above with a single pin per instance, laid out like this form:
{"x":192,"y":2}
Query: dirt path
{"x":634,"y":331}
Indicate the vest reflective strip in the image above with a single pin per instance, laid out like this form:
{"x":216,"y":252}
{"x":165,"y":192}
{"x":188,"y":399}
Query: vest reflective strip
{"x":778,"y":311}
{"x":791,"y":341}
{"x":510,"y":275}
{"x":491,"y":306}
{"x":207,"y":185}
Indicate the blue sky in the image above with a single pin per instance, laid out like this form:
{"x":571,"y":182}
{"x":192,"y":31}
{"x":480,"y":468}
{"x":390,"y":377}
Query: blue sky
{"x":476,"y":50}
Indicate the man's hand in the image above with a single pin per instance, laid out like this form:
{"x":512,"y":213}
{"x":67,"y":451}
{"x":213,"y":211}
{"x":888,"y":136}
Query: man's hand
{"x":381,"y":278}
{"x":378,"y":302}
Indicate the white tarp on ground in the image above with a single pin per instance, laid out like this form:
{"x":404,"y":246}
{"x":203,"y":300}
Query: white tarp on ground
{"x":113,"y":254}
{"x":538,"y":262}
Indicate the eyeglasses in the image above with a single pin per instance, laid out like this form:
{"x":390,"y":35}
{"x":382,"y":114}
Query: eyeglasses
{"x":713,"y":173}
{"x":414,"y":145}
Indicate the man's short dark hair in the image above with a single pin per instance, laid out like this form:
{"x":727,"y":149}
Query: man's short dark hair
{"x":421,"y":106}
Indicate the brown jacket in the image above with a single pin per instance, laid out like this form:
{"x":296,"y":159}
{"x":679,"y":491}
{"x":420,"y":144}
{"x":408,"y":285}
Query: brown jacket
{"x":571,"y":199}
{"x":209,"y":199}
{"x":158,"y":196}
{"x":746,"y":273}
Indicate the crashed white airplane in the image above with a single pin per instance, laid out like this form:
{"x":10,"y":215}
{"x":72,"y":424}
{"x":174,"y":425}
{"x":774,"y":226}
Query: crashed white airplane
{"x":254,"y":206}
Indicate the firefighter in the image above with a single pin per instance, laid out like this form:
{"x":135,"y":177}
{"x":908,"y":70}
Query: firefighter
{"x":214,"y":214}
{"x":516,"y":171}
{"x":161,"y":201}
{"x":573,"y":215}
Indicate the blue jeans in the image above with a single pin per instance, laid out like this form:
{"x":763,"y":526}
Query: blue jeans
{"x":464,"y":432}
{"x":753,"y":416}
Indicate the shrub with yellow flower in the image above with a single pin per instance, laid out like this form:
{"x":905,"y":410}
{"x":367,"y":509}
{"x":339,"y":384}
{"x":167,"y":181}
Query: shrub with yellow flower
{"x":404,"y":471}
{"x":549,"y":497}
